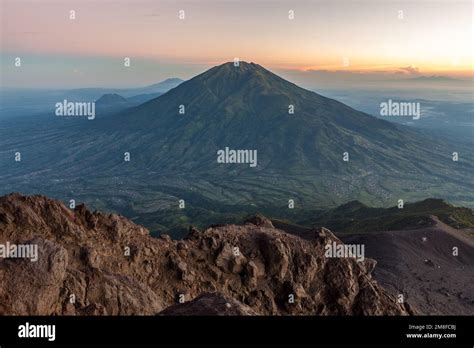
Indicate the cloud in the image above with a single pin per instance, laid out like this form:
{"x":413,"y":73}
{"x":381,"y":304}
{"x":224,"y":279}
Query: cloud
{"x":410,"y":70}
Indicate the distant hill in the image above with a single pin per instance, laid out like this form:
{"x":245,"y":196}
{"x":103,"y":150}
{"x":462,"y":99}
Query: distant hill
{"x":160,"y":87}
{"x":165,"y":85}
{"x":111,"y":103}
{"x":356,"y":217}
{"x":114,"y":99}
{"x":110,"y":99}
{"x":28,"y":103}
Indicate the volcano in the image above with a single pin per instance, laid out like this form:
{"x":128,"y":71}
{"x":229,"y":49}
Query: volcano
{"x":295,"y":131}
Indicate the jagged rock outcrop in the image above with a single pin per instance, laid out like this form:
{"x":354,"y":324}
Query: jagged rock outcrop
{"x":91,"y":263}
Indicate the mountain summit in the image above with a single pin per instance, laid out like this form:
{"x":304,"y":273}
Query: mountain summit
{"x":227,"y":79}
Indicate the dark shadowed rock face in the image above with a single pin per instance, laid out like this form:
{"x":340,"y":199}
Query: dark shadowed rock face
{"x":91,"y":263}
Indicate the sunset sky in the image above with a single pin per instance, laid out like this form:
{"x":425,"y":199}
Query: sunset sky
{"x":432,"y":38}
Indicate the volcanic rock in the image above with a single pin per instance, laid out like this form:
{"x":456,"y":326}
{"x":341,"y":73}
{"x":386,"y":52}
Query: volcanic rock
{"x":92,"y":263}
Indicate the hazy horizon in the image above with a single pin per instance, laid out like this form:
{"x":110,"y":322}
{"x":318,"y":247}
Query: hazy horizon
{"x":307,"y":40}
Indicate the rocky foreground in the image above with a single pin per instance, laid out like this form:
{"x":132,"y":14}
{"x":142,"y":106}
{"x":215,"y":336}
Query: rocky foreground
{"x":90,"y":263}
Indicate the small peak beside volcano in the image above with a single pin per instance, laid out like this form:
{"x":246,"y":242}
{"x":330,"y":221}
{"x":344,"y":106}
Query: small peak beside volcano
{"x":111,"y":99}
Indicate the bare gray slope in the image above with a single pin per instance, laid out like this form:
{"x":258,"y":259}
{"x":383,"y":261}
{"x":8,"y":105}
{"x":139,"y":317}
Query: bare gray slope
{"x":421,"y":265}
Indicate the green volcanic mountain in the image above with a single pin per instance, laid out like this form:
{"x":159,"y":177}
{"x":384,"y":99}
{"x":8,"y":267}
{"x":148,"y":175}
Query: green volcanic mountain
{"x":173,"y":141}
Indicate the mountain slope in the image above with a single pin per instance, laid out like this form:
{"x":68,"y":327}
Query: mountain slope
{"x":421,"y":264}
